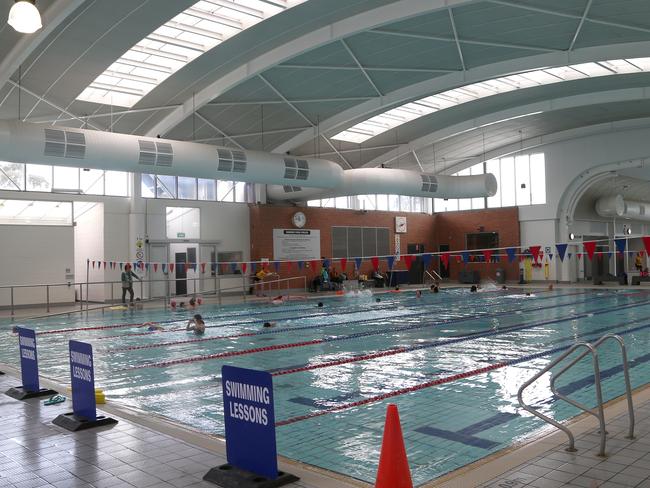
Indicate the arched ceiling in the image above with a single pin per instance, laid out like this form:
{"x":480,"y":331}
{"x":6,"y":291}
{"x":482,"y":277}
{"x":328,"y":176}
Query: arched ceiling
{"x":294,"y":80}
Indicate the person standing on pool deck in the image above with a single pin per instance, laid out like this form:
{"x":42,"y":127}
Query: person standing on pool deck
{"x":127,"y":282}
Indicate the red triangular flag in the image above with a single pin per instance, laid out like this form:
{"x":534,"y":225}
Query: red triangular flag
{"x":344,"y":263}
{"x":579,"y":255}
{"x":104,"y":264}
{"x":171,"y":267}
{"x":243,"y":267}
{"x":444,"y":258}
{"x":202,"y":267}
{"x":534,"y":250}
{"x":408,"y":260}
{"x":590,"y":247}
{"x":646,"y":243}
{"x":487,"y":254}
{"x":289,"y":265}
{"x":459,"y":258}
{"x":93,"y":264}
{"x":315,"y":265}
{"x":155,"y":267}
{"x":375,"y":262}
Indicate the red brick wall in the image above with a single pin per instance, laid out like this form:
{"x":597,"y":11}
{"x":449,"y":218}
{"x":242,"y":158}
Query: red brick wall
{"x":451,"y":228}
{"x":265,"y":218}
{"x":430,"y":230}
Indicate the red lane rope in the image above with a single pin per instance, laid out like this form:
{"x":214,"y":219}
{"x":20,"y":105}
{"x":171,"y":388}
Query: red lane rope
{"x":228,"y":354}
{"x":402,"y":391}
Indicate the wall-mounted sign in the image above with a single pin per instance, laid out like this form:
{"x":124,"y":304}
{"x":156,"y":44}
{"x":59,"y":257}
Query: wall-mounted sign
{"x":400,"y":225}
{"x":180,"y":235}
{"x":296,"y":244}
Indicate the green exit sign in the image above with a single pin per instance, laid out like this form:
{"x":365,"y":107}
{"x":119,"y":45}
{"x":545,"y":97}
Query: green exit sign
{"x":180,"y":235}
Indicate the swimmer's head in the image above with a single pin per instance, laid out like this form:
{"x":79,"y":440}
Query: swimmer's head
{"x":432,"y":287}
{"x":378,"y":300}
{"x":14,"y":329}
{"x":199,"y":300}
{"x":268,"y":324}
{"x":473,"y":288}
{"x":192,"y":301}
{"x":182,"y":304}
{"x":504,"y":287}
{"x":198,"y":317}
{"x":320,"y":304}
{"x":527,"y":293}
{"x":172,"y":304}
{"x":435,"y":289}
{"x":397,"y":288}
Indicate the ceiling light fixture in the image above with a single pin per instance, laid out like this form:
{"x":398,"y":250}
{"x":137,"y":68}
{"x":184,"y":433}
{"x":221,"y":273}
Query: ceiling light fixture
{"x":24,"y":17}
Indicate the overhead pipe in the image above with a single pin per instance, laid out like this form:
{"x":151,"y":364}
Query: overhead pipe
{"x":617,"y":207}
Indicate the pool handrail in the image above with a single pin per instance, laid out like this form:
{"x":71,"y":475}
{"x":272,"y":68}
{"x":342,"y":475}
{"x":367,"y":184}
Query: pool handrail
{"x":539,"y":374}
{"x":626,"y":374}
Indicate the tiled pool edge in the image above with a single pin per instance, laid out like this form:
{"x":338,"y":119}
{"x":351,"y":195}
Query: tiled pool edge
{"x":500,"y":462}
{"x":310,"y":476}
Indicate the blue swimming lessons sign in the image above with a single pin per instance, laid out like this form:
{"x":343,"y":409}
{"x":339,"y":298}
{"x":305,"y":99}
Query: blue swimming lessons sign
{"x":249,"y":420}
{"x":28,"y":359}
{"x":82,"y":377}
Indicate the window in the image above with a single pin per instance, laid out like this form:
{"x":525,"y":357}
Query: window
{"x":537,"y":179}
{"x":225,"y":191}
{"x":165,"y":186}
{"x":186,"y":188}
{"x":34,"y":212}
{"x":183,"y":223}
{"x":148,"y":186}
{"x":360,"y":242}
{"x":12,"y":176}
{"x":91,"y":181}
{"x":38,"y":177}
{"x":230,"y":257}
{"x":65,"y":179}
{"x":481,"y":240}
{"x":207,"y":189}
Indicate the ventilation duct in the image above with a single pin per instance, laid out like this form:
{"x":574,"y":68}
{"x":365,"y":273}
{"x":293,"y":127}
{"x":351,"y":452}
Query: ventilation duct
{"x":289,"y":178}
{"x":81,"y":148}
{"x":617,"y":207}
{"x":364,"y":181}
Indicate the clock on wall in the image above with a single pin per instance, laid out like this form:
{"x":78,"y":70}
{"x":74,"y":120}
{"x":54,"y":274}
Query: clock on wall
{"x":299,"y":220}
{"x":400,"y":225}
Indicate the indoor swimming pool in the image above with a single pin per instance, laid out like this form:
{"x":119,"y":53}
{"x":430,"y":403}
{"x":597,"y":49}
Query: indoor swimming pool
{"x":451,"y":361}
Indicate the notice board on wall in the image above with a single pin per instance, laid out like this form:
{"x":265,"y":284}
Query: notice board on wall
{"x":296,"y":244}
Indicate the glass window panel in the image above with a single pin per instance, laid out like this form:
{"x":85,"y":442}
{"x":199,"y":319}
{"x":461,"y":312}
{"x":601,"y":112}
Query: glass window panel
{"x":116,"y":183}
{"x":404,"y":203}
{"x":186,"y":188}
{"x":428,"y":205}
{"x":165,"y":186}
{"x":342,"y":202}
{"x":313,"y":203}
{"x":65,"y":178}
{"x":207,"y":189}
{"x":538,"y":179}
{"x":367,"y":202}
{"x":382,"y":202}
{"x":416,"y":204}
{"x":464,"y":204}
{"x":478,"y":203}
{"x":240,"y":192}
{"x":507,"y":182}
{"x":522,"y":179}
{"x":91,"y":181}
{"x":225,"y":191}
{"x":446,"y":204}
{"x":39,"y":177}
{"x":30,"y":212}
{"x":492,"y":166}
{"x":12,"y":176}
{"x":477,"y":169}
{"x":393,"y":203}
{"x":148,"y":185}
{"x":183,"y":223}
{"x":328,"y":202}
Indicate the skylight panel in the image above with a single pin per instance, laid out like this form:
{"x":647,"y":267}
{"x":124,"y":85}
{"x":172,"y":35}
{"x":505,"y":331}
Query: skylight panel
{"x":188,"y":35}
{"x":450,"y":98}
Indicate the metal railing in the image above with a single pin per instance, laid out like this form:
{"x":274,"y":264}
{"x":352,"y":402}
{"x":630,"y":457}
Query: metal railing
{"x":437,"y":277}
{"x":84,"y":300}
{"x":598,"y":410}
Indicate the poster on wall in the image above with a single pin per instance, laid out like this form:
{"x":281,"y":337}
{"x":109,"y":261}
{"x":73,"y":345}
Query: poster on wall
{"x":296,"y":244}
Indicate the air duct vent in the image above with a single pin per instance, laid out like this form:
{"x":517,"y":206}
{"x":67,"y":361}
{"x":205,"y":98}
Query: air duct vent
{"x":296,"y":169}
{"x":153,"y":153}
{"x":429,"y":183}
{"x":231,"y":161}
{"x":64,"y":144}
{"x":291,"y":189}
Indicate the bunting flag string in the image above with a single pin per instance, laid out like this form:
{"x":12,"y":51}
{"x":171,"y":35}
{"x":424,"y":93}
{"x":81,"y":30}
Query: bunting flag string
{"x":202,"y":268}
{"x":590,"y":248}
{"x":444,"y":258}
{"x":344,"y":264}
{"x":620,"y":245}
{"x":646,"y":243}
{"x":357,"y":262}
{"x":512,"y":253}
{"x":465,"y":255}
{"x":390,"y":260}
{"x":426,"y":260}
{"x":487,"y":254}
{"x":233,"y":268}
{"x":408,"y":261}
{"x":561,"y":250}
{"x":534,"y":250}
{"x":375,"y":262}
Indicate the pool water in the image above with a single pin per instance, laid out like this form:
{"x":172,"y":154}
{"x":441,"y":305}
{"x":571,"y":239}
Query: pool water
{"x":337,"y":367}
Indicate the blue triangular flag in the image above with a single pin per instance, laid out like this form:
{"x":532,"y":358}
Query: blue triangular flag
{"x":620,"y":245}
{"x":146,"y":266}
{"x":390,"y":260}
{"x":233,"y":267}
{"x":326,"y":263}
{"x":512,"y":254}
{"x":121,"y":265}
{"x":358,"y":261}
{"x":561,"y":250}
{"x":550,"y":256}
{"x":465,"y":255}
{"x":276,"y":265}
{"x":253,"y":267}
{"x":609,"y":255}
{"x":180,"y":267}
{"x":301,"y":264}
{"x":426,"y":259}
{"x":569,"y":255}
{"x":164,"y":267}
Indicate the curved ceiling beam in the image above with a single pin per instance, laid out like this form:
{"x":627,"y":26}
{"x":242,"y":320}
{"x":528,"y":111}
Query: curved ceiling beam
{"x":399,"y":10}
{"x":582,"y":100}
{"x":425,"y":88}
{"x":52,"y":17}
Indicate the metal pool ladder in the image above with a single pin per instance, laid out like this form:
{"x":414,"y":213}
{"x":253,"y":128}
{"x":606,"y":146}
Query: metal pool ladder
{"x":598,"y":410}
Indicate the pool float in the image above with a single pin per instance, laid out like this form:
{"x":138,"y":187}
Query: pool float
{"x":100,"y":397}
{"x":119,"y":307}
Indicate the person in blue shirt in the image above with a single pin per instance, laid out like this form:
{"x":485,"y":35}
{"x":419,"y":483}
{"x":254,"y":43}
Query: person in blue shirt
{"x":127,"y":282}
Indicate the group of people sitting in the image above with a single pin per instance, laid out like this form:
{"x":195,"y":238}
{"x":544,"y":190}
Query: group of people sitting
{"x":328,"y":279}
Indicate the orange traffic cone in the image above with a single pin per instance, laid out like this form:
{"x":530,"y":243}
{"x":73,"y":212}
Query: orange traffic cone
{"x":393,"y":469}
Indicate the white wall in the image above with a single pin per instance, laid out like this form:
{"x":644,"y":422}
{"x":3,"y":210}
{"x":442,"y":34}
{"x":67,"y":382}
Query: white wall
{"x":36,"y":254}
{"x":89,"y":245}
{"x":566,"y":163}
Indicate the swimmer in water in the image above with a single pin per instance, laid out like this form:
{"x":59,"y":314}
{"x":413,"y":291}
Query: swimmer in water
{"x":196,"y":324}
{"x":268,"y":324}
{"x":172,"y":304}
{"x":504,"y":287}
{"x":378,"y":300}
{"x":279,"y":300}
{"x":473,"y":289}
{"x":436,"y":289}
{"x":181,"y":305}
{"x":192,"y":302}
{"x":152,"y":327}
{"x":418,"y":294}
{"x":320,"y":304}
